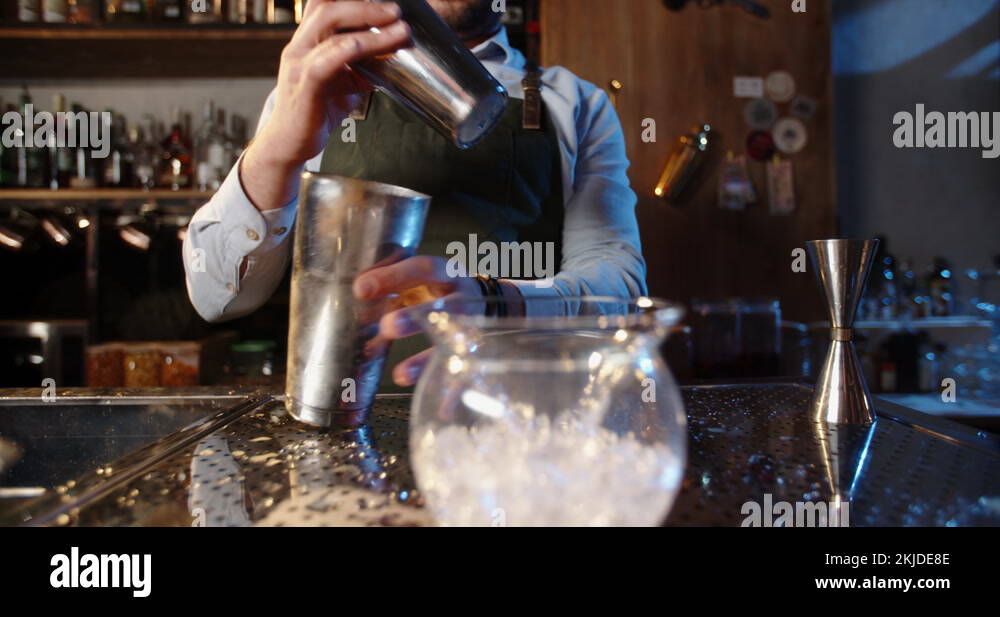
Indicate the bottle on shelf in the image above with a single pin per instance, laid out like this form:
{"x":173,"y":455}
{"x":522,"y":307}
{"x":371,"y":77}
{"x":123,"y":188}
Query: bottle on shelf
{"x":909,"y":293}
{"x":87,"y":170}
{"x":32,"y":161}
{"x":940,"y":288}
{"x":62,"y":159}
{"x":235,"y":139}
{"x":166,"y":11}
{"x":248,"y":11}
{"x":8,"y":159}
{"x":281,"y":11}
{"x":929,"y":364}
{"x":117,"y":170}
{"x":125,"y":11}
{"x":206,"y":12}
{"x":55,"y":11}
{"x":175,"y":166}
{"x":887,"y":373}
{"x":888,"y":293}
{"x":83,"y":11}
{"x":210,"y":151}
{"x":144,"y":157}
{"x":29,"y":11}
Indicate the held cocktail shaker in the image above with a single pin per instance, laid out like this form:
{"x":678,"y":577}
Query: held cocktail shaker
{"x":438,"y":78}
{"x":335,"y":353}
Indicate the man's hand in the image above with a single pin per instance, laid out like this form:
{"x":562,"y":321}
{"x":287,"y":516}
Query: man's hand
{"x":428,"y":273}
{"x":316,"y":91}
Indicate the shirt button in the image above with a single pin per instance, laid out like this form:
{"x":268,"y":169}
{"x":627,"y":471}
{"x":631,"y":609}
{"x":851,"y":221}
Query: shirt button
{"x":280,"y":231}
{"x":253,"y":235}
{"x":231,"y":287}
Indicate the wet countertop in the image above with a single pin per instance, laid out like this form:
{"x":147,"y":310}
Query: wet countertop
{"x":222,"y":457}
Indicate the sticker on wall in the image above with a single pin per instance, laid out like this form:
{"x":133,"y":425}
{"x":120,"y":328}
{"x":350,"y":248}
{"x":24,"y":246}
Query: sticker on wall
{"x":780,"y":187}
{"x":736,"y":190}
{"x":790,"y":135}
{"x":748,"y":87}
{"x":760,"y":145}
{"x":780,"y":86}
{"x":803,"y":107}
{"x":760,"y":114}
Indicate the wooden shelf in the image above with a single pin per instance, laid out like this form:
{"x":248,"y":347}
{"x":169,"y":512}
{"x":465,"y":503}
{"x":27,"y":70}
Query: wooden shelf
{"x":258,"y":33}
{"x":110,"y":52}
{"x":101,"y":195}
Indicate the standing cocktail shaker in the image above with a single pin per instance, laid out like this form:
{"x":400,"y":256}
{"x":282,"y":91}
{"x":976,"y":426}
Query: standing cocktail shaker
{"x":335,"y":352}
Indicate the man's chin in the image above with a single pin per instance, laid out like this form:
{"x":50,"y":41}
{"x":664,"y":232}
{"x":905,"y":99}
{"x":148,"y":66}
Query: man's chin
{"x":468,"y":18}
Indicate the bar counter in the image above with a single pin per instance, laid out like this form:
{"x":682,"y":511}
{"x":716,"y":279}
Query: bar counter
{"x":229,"y":457}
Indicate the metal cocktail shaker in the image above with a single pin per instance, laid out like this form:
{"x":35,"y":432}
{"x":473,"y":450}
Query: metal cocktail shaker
{"x":335,"y":353}
{"x":438,"y":78}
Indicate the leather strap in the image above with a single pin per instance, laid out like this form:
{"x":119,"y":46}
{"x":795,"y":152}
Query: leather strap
{"x":360,"y":111}
{"x":532,"y":85}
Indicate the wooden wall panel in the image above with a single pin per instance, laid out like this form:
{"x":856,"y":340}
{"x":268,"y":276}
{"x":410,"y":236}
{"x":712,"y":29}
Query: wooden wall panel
{"x":678,"y":68}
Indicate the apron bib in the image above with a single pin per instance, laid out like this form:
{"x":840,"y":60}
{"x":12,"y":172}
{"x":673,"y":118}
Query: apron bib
{"x":507,"y":188}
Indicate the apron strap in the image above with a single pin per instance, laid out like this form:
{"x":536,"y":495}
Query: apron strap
{"x":532,"y":85}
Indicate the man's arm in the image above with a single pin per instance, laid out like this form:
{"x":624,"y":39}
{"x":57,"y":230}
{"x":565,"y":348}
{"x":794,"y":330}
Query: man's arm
{"x":602,"y":252}
{"x":236,"y":248}
{"x":235,"y":254}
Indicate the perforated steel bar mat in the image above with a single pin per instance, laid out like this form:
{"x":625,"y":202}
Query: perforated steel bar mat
{"x":747,"y":443}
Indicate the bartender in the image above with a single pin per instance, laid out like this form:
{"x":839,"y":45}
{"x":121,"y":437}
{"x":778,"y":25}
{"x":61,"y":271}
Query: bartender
{"x":559,"y":177}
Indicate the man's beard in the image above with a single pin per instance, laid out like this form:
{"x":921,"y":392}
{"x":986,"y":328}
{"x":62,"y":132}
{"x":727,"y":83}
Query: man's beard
{"x":468,"y":19}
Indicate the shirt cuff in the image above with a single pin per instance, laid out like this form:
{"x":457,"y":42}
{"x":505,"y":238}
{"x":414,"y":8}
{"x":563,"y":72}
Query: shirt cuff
{"x":247,"y":230}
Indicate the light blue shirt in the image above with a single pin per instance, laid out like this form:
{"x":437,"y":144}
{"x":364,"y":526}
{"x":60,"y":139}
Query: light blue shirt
{"x":601,"y":250}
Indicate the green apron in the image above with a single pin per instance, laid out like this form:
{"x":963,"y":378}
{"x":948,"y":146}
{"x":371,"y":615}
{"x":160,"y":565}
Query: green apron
{"x":506,"y":188}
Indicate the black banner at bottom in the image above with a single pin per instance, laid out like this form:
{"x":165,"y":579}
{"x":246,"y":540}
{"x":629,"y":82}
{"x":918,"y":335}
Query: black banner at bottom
{"x":309,"y":568}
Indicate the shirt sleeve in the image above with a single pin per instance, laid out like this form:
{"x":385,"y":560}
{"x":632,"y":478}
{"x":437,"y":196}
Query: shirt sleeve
{"x":602,"y":251}
{"x":228,"y":230}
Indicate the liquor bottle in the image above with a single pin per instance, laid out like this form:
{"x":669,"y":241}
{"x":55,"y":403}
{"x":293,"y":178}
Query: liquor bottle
{"x":55,"y":11}
{"x":32,"y":161}
{"x":909,"y":301}
{"x":62,"y":160}
{"x":143,"y":158}
{"x":125,"y":11}
{"x":117,"y":168}
{"x":205,"y":12}
{"x":86,"y":170}
{"x":175,"y":161}
{"x":888,"y":294}
{"x":211,"y":151}
{"x":929,"y":364}
{"x":83,"y":11}
{"x":29,"y":11}
{"x":248,"y":11}
{"x":887,"y":372}
{"x":236,"y":12}
{"x":940,"y":288}
{"x":8,"y":159}
{"x":281,"y":12}
{"x":166,"y":10}
{"x":233,"y":145}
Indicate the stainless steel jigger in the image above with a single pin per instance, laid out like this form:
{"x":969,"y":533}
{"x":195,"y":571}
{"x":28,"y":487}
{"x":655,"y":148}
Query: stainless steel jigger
{"x":335,"y":353}
{"x":843,"y":266}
